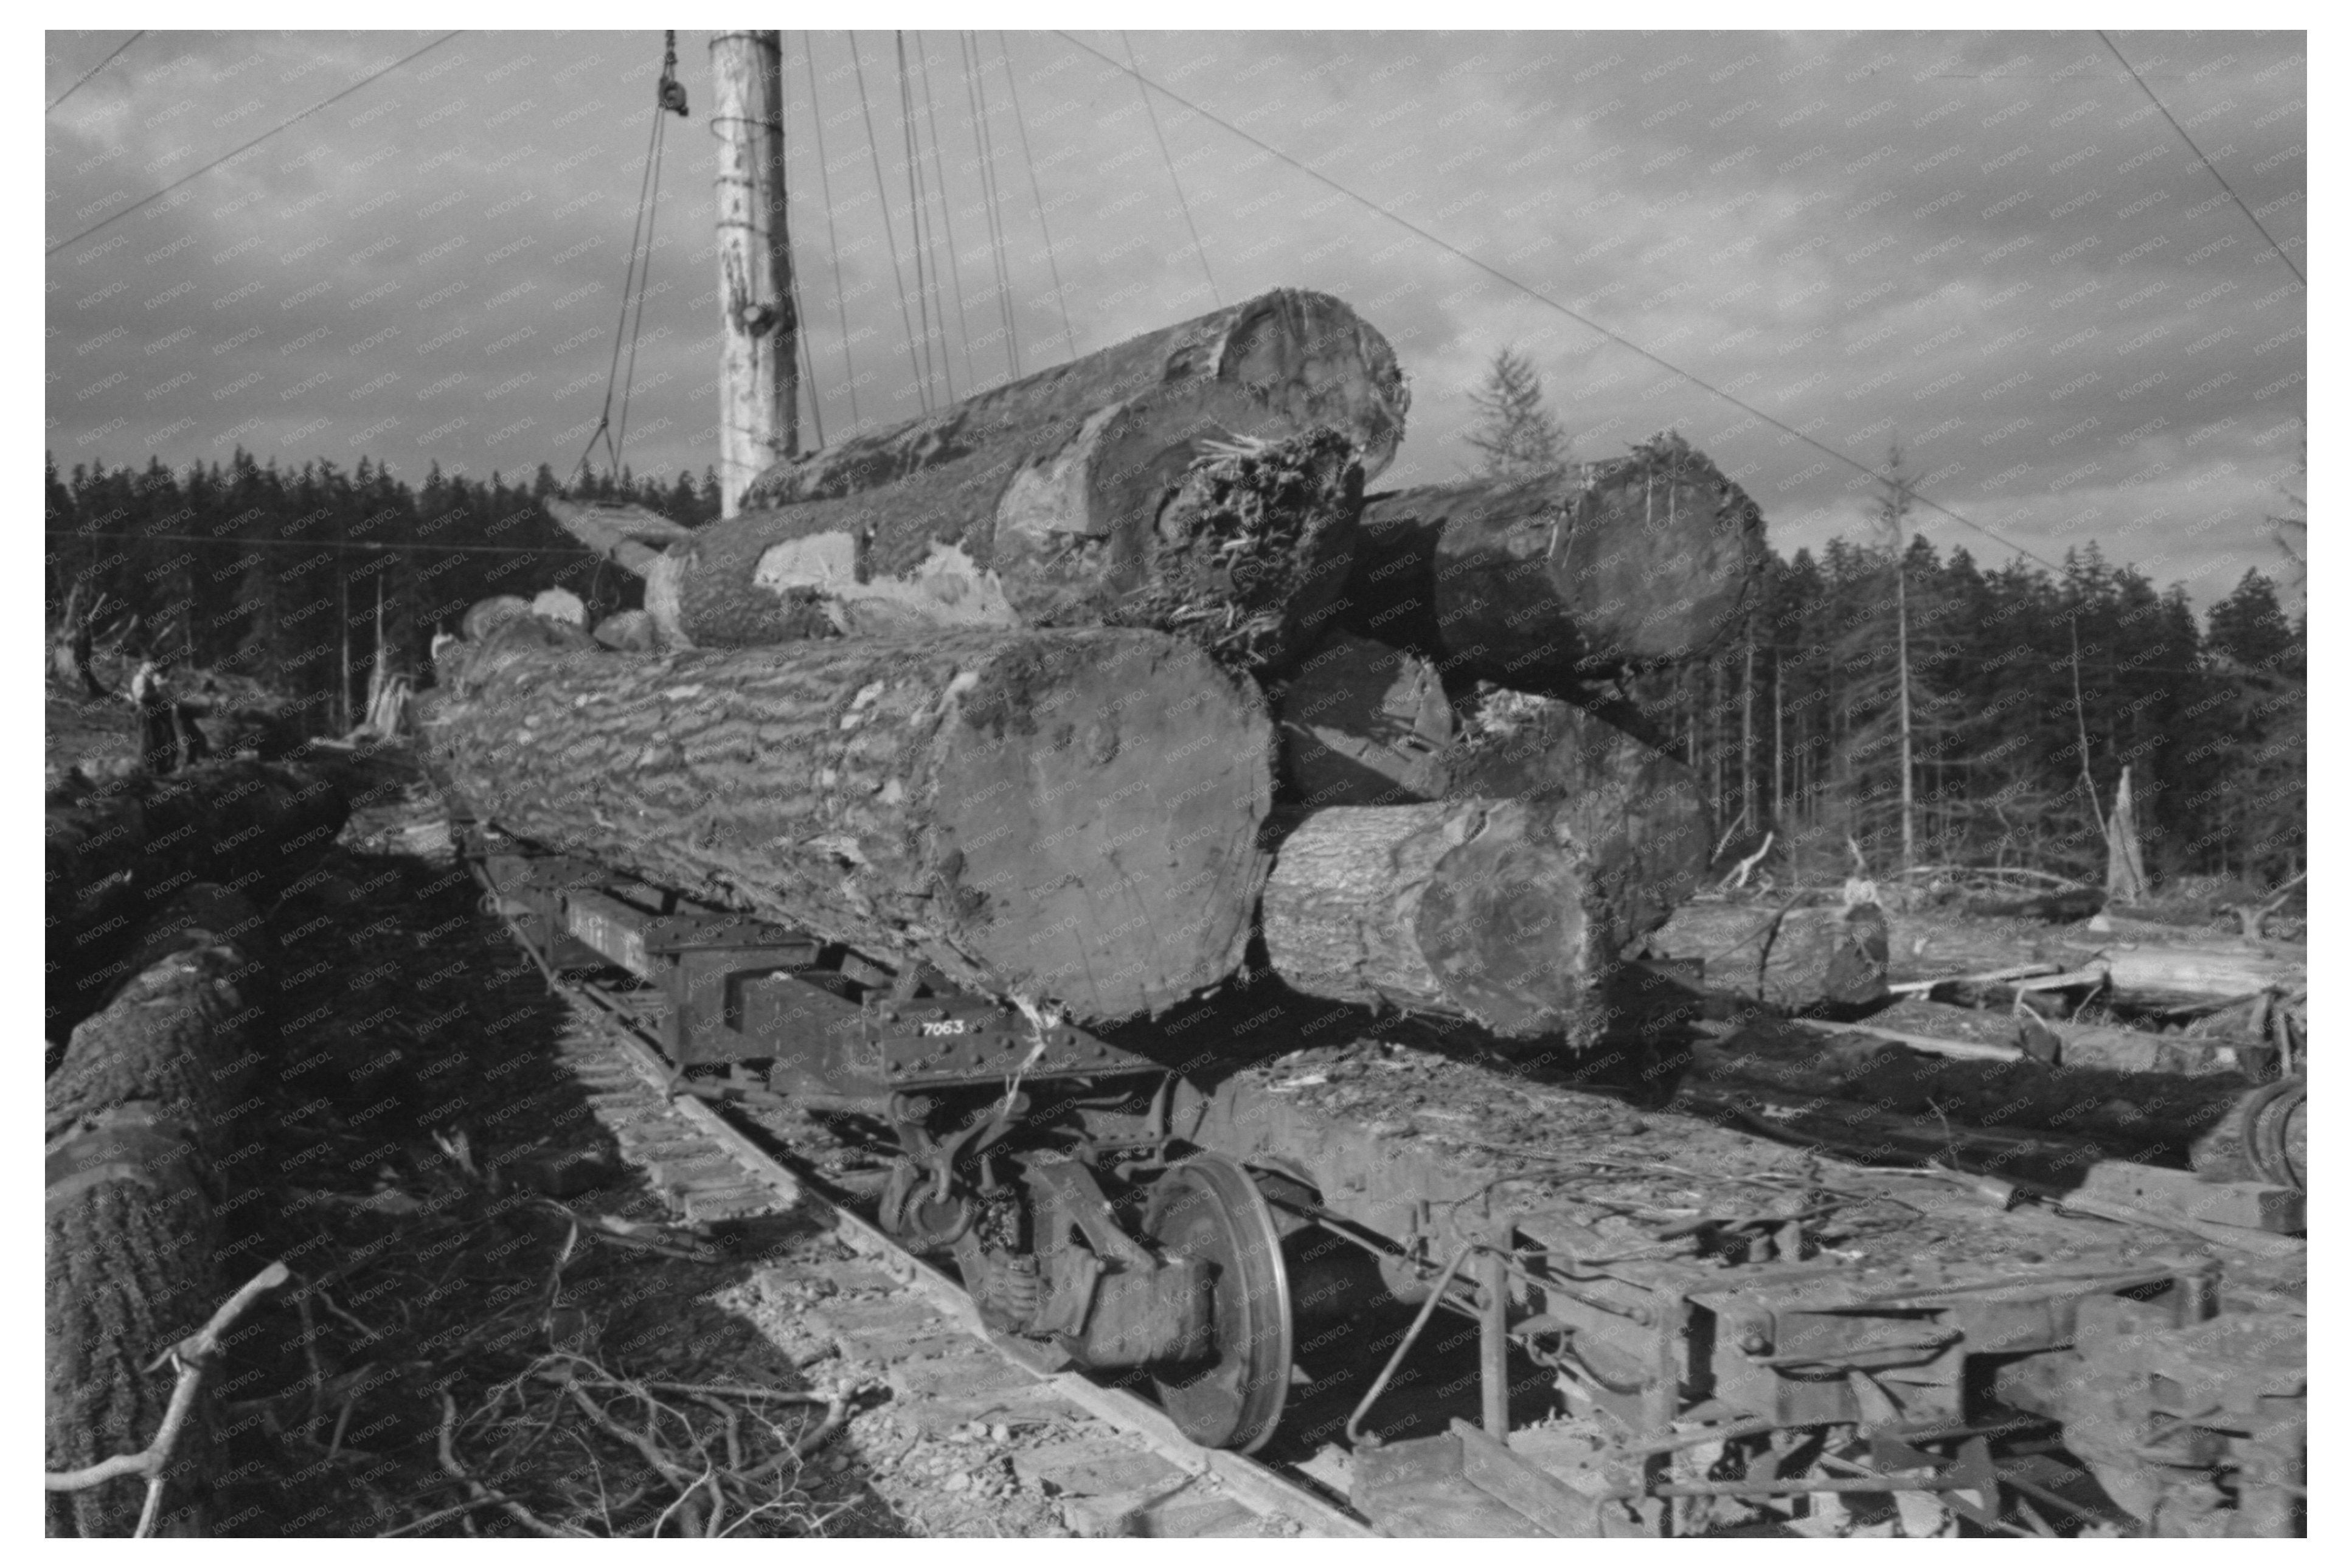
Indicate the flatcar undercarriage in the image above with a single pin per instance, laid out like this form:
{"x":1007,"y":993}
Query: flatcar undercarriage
{"x":1123,"y":1207}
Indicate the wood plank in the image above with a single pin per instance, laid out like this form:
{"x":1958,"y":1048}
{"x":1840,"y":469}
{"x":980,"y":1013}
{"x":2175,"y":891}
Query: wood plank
{"x":1934,"y":1045}
{"x":2251,"y":1206}
{"x":1543,"y":1498}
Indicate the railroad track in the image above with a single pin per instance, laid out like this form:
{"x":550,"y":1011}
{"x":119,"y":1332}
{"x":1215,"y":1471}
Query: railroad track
{"x":1143,"y":1477}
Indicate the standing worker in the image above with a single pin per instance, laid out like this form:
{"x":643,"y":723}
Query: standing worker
{"x":159,"y":745}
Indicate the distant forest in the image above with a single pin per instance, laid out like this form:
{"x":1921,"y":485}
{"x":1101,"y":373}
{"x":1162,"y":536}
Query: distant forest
{"x":285,"y":578}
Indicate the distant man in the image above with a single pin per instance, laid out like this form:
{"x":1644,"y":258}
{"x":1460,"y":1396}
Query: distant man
{"x":159,"y":743}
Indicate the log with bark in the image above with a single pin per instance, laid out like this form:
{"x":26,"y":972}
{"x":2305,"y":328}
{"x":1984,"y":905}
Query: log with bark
{"x":145,"y":1097}
{"x":1067,"y":816}
{"x":1300,"y":359}
{"x":1499,"y":912}
{"x":1363,"y":723}
{"x":116,"y":853}
{"x":1153,"y":515}
{"x":1642,"y":560}
{"x":1815,"y":961}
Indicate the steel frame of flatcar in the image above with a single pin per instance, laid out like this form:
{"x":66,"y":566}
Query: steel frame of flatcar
{"x":1038,"y":1156}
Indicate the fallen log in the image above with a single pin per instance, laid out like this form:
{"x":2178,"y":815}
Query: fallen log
{"x":1151,"y":515}
{"x":2136,"y":1051}
{"x":1980,"y":1084}
{"x":144,"y":1097}
{"x":1492,"y":911}
{"x":2156,"y":976}
{"x":1067,"y":816}
{"x":1298,"y":358}
{"x":116,"y":855}
{"x":1816,"y":960}
{"x":1637,"y":562}
{"x":2060,"y":908}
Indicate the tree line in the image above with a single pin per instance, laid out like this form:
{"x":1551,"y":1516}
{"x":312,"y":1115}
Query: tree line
{"x":306,"y":580}
{"x":2027,"y":691}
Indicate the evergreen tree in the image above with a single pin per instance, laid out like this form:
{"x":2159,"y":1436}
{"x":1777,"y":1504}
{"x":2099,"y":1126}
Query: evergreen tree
{"x":1516,"y":436}
{"x":2251,"y":628}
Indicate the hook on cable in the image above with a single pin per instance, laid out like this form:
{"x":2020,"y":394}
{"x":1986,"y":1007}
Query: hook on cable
{"x":669,"y":92}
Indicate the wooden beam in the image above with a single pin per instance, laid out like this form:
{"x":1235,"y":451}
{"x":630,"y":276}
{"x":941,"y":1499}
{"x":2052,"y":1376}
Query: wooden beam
{"x":2250,"y":1205}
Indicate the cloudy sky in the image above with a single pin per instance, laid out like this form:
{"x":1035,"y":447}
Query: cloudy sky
{"x":1993,"y":247}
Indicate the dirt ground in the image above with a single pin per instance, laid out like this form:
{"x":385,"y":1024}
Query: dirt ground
{"x":453,"y":1327}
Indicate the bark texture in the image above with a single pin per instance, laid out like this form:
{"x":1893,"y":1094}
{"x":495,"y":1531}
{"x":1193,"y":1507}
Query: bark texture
{"x":1145,"y":514}
{"x":143,"y":1101}
{"x":1070,"y":816}
{"x":117,"y":853}
{"x":1304,"y":359}
{"x":1493,"y":911}
{"x":1799,"y":961}
{"x":1637,"y":562}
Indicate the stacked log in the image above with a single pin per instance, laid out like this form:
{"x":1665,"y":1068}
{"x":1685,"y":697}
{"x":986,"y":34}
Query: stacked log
{"x":1638,"y":561}
{"x":1205,"y":482}
{"x":115,"y":856}
{"x":1366,"y":724}
{"x":1297,"y":359}
{"x":1150,"y":515}
{"x":142,"y":1102}
{"x":1493,"y":912}
{"x":1363,"y":723}
{"x":1070,"y":815}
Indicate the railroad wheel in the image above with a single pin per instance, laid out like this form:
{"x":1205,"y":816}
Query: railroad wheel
{"x":1208,"y":1208}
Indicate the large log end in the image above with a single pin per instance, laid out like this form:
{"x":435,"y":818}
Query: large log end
{"x":1098,"y":820}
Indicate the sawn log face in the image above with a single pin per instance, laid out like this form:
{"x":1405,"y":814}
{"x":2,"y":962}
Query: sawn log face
{"x":1062,"y":815}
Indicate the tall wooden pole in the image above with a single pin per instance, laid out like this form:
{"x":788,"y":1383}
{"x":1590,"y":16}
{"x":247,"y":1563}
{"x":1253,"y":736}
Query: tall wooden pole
{"x":1903,"y":697}
{"x":759,"y":369}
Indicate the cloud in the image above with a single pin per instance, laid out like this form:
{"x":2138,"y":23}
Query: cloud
{"x":1989,"y":247}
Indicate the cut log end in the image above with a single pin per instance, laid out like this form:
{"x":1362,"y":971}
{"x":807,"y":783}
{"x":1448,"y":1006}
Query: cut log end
{"x":1087,"y":802}
{"x":1508,"y":932}
{"x":1251,"y":551}
{"x":1472,"y":909}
